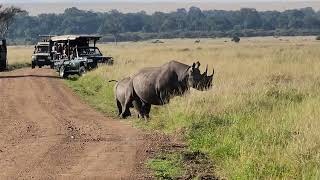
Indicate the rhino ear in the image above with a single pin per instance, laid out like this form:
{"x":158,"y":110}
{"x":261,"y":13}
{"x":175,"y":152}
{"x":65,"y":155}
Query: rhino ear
{"x":193,"y":65}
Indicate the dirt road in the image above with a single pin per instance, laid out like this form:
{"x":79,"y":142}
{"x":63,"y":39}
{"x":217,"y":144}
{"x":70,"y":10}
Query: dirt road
{"x":46,"y":132}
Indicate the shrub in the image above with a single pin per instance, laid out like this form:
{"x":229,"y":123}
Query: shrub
{"x":236,"y":39}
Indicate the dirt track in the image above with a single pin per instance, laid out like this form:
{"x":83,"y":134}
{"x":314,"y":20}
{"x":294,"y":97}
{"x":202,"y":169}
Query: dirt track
{"x":46,"y":132}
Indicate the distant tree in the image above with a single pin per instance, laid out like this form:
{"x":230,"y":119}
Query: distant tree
{"x":269,"y":19}
{"x":196,"y":19}
{"x":157,"y":20}
{"x":113,"y":24}
{"x":6,"y":18}
{"x":251,"y":18}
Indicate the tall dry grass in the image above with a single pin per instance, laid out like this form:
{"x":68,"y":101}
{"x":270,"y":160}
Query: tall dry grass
{"x":261,"y":118}
{"x":19,"y":54}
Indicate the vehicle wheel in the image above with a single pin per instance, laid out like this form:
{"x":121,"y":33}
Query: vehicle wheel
{"x":82,"y":71}
{"x":51,"y":66}
{"x":62,"y":72}
{"x":40,"y":66}
{"x":33,"y":65}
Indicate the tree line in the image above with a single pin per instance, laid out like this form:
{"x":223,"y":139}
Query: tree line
{"x":182,"y":23}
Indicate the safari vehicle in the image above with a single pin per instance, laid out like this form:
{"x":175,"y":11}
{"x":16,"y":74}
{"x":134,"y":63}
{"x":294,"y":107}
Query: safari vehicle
{"x":42,"y":54}
{"x":3,"y":54}
{"x":77,"y":54}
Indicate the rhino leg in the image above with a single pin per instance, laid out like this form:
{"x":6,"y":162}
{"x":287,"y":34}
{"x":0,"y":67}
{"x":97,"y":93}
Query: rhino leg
{"x":119,"y":107}
{"x":126,"y":108}
{"x":138,"y":105}
{"x":164,"y":96}
{"x":147,"y":108}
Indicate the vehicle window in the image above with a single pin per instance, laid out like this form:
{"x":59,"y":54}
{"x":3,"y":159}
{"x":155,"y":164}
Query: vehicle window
{"x":42,"y":49}
{"x":89,"y":52}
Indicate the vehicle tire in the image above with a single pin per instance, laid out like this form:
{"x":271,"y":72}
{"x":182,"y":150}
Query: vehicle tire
{"x":62,"y":72}
{"x":33,"y":65}
{"x":40,"y":66}
{"x":52,"y":66}
{"x":82,"y":71}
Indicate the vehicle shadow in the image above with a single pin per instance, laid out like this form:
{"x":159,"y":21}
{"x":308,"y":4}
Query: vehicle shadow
{"x":25,"y":76}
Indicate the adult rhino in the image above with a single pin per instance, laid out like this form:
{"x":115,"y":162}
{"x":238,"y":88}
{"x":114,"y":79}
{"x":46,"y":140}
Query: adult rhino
{"x":155,"y":86}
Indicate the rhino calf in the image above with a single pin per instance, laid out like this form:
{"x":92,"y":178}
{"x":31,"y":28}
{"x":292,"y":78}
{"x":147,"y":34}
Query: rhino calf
{"x":120,"y":90}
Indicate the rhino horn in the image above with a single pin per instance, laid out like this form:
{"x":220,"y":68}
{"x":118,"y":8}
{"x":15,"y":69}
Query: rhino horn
{"x":206,"y":71}
{"x":198,"y":64}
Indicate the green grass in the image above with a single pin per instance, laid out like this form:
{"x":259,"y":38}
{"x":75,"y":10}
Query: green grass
{"x":260,"y":120}
{"x":96,"y":91}
{"x":166,"y":166}
{"x":248,"y":139}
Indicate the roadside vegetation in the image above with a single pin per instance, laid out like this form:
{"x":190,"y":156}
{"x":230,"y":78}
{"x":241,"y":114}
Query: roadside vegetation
{"x":260,"y":120}
{"x":19,"y":57}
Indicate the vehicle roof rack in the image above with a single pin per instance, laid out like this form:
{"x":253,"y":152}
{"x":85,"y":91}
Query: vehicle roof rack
{"x":75,"y":37}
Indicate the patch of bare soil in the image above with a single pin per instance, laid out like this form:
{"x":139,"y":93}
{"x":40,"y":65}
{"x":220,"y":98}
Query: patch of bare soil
{"x":47,"y":132}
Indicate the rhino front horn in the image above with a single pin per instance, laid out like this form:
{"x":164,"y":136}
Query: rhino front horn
{"x":206,"y":70}
{"x":198,"y":64}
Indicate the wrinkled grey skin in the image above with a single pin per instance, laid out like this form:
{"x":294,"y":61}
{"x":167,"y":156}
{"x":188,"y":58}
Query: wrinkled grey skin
{"x":120,"y":97}
{"x":155,"y":86}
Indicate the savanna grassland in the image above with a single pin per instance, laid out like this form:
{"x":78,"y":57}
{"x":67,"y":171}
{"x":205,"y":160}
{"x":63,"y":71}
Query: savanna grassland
{"x":259,"y":121}
{"x":19,"y":56}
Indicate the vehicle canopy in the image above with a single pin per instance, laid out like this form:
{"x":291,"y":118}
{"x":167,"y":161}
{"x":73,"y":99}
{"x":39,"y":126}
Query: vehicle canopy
{"x":43,"y":44}
{"x":77,"y":40}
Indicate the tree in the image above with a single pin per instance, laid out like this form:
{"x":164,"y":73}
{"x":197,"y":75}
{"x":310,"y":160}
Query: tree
{"x":6,"y":18}
{"x":180,"y":23}
{"x":114,"y":24}
{"x":251,"y":18}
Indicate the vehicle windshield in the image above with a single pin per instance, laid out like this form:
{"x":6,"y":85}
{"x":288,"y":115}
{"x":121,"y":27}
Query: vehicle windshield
{"x":42,"y":49}
{"x":89,"y":51}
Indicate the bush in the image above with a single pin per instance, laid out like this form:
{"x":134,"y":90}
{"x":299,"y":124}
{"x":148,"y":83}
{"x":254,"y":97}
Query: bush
{"x":236,"y":39}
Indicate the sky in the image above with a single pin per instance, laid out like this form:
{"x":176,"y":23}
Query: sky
{"x":77,"y":1}
{"x":35,"y":7}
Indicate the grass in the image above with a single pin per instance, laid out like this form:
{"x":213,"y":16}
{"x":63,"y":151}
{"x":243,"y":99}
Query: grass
{"x":19,"y":57}
{"x":260,"y":120}
{"x":166,"y":166}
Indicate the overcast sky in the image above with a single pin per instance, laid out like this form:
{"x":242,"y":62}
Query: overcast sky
{"x":77,"y":1}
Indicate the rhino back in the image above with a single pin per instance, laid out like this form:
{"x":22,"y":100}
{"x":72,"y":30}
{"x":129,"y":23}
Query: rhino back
{"x":144,"y":84}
